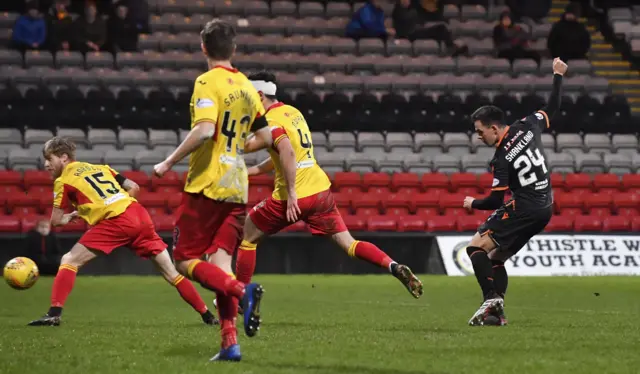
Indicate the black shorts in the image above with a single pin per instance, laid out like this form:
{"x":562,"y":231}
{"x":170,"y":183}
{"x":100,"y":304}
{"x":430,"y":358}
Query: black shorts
{"x":511,"y":229}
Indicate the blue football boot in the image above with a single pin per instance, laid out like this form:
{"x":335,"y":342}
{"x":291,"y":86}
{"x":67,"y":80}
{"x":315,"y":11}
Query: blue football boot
{"x":231,"y":353}
{"x":251,"y":307}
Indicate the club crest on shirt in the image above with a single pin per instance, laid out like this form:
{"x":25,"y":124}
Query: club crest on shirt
{"x":204,"y":103}
{"x":539,"y":116}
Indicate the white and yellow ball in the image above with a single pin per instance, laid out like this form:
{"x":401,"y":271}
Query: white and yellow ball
{"x":21,"y":273}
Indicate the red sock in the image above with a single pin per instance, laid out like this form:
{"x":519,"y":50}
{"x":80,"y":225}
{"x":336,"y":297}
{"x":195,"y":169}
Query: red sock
{"x":189,"y":294}
{"x":369,"y":252}
{"x":228,"y":310}
{"x":63,"y":284}
{"x":215,"y":279}
{"x":246,"y":261}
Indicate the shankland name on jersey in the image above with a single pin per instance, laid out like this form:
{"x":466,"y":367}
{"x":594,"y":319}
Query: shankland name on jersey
{"x":519,"y":163}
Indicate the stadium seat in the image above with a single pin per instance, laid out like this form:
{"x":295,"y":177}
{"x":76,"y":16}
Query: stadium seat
{"x":382,"y":223}
{"x":427,"y":203}
{"x":597,"y":200}
{"x":588,"y":224}
{"x":577,"y":181}
{"x":405,"y":183}
{"x":560,"y":224}
{"x":607,"y":183}
{"x":440,"y":223}
{"x":170,"y":179}
{"x":616,"y":223}
{"x":463,"y":180}
{"x":398,"y":204}
{"x":9,"y":224}
{"x":564,"y":201}
{"x":355,"y":223}
{"x":152,"y":199}
{"x":261,"y":180}
{"x":10,"y":178}
{"x":469,"y":223}
{"x":435,"y":181}
{"x":635,"y":224}
{"x":36,"y":178}
{"x":631,"y":182}
{"x":367,"y":204}
{"x":378,"y":181}
{"x":139,"y":177}
{"x":451,"y":203}
{"x":411,"y":224}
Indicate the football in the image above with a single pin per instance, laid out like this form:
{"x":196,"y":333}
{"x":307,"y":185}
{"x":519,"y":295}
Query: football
{"x":21,"y":273}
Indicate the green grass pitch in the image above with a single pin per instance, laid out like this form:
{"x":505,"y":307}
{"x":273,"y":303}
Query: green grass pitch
{"x":330,"y":324}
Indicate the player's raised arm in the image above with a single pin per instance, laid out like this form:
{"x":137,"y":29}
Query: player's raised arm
{"x":203,"y":127}
{"x":559,"y":68}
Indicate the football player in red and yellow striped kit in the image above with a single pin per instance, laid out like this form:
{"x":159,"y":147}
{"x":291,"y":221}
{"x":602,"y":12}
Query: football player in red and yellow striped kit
{"x":314,"y":203}
{"x":105,"y":200}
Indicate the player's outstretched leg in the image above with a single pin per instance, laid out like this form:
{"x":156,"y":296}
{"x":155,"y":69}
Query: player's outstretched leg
{"x":370,"y":253}
{"x":63,"y":283}
{"x":187,"y":291}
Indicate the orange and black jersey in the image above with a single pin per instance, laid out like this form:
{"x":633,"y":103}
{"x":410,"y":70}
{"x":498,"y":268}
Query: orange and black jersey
{"x":519,"y":163}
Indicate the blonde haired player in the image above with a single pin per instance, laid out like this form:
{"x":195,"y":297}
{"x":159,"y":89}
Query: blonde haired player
{"x":315,"y":204}
{"x":105,"y":200}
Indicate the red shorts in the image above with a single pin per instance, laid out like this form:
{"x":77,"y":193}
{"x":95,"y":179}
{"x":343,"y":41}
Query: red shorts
{"x":133,"y":228}
{"x":319,"y":211}
{"x":204,"y":225}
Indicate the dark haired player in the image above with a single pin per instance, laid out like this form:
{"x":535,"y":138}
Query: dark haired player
{"x":519,"y":165}
{"x":225,"y":108}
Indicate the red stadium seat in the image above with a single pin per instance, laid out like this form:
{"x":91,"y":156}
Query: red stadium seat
{"x":461,"y":180}
{"x":36,"y":178}
{"x":408,"y":183}
{"x":345,"y":211}
{"x":588,"y":223}
{"x":355,"y":223}
{"x":469,"y":223}
{"x":77,"y":225}
{"x":425,"y":200}
{"x":347,"y":180}
{"x":485,"y":182}
{"x":470,"y":191}
{"x":7,"y":190}
{"x":628,"y":212}
{"x":451,"y":201}
{"x":631,"y":181}
{"x":571,"y":212}
{"x":382,"y":223}
{"x":435,"y":181}
{"x":156,"y":211}
{"x":171,"y":179}
{"x":626,"y":200}
{"x":616,"y":223}
{"x":578,"y":181}
{"x":455,"y":212}
{"x":260,"y":192}
{"x":9,"y":224}
{"x":19,"y":200}
{"x":560,"y":224}
{"x":343,"y":200}
{"x":34,"y":190}
{"x":597,"y":200}
{"x":28,"y":222}
{"x":10,"y":178}
{"x":606,"y":181}
{"x":400,"y":202}
{"x":140,"y":177}
{"x":411,"y":224}
{"x":163,"y":222}
{"x":379,"y":181}
{"x":441,"y":223}
{"x":564,"y":201}
{"x":261,"y":180}
{"x":427,"y":212}
{"x":367,"y":204}
{"x":167,"y":190}
{"x":635,"y":224}
{"x":397,"y":212}
{"x":45,"y":198}
{"x":557,"y":180}
{"x":152,"y":199}
{"x":599,"y":212}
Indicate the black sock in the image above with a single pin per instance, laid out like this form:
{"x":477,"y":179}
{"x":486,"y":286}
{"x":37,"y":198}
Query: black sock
{"x":500,"y":277}
{"x":482,"y":268}
{"x":55,"y":311}
{"x":394,"y":268}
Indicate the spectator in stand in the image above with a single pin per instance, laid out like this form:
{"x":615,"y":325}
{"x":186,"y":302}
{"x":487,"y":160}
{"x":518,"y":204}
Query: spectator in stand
{"x":368,"y":22}
{"x":408,"y":22}
{"x":43,"y":248}
{"x":61,"y":26}
{"x":511,"y":41}
{"x":122,"y":30}
{"x":91,"y":30}
{"x":569,"y":39}
{"x":30,"y":30}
